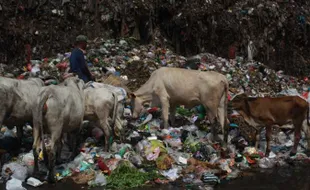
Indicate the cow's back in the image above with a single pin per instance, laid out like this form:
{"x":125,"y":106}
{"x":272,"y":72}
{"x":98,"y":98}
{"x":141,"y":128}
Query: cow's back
{"x":66,"y":104}
{"x":279,"y":109}
{"x":97,"y":99}
{"x":26,"y":94}
{"x":185,"y":85}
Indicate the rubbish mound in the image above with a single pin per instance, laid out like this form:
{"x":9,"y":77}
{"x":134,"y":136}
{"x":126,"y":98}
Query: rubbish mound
{"x":276,"y":31}
{"x":150,"y":155}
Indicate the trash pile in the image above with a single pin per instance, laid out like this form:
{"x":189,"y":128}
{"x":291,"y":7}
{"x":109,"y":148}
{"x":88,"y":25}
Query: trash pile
{"x":150,"y":155}
{"x":275,"y":30}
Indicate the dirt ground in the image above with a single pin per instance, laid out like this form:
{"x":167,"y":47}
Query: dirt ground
{"x":286,"y":178}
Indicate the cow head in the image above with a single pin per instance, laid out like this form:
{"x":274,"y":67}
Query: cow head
{"x":238,"y":101}
{"x":74,"y":82}
{"x":136,"y":105}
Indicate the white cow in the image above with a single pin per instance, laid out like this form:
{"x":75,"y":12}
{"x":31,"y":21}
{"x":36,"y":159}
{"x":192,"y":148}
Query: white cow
{"x":59,"y":109}
{"x":171,"y":87}
{"x":17,"y":100}
{"x":100,"y":103}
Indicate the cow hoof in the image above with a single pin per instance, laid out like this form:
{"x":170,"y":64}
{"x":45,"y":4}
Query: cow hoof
{"x":51,"y":179}
{"x":59,"y":162}
{"x":307,"y":152}
{"x":292,"y":153}
{"x":36,"y":174}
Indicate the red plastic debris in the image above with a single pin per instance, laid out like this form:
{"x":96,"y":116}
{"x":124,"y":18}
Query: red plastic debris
{"x":232,"y":52}
{"x":152,"y":110}
{"x":103,"y":167}
{"x":29,"y":67}
{"x":62,"y":66}
{"x":21,"y":77}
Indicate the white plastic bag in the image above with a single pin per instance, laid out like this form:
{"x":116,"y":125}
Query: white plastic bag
{"x":266,"y":163}
{"x":100,"y":180}
{"x":28,"y":160}
{"x":19,"y":171}
{"x":14,"y":184}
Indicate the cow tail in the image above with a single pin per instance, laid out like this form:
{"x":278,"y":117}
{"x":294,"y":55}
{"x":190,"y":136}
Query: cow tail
{"x":39,"y":118}
{"x":307,"y":117}
{"x":115,"y":107}
{"x":226,"y":88}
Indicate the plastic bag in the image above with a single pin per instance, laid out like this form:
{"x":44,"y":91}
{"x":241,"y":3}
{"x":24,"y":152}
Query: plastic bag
{"x":28,"y":160}
{"x":266,"y":163}
{"x":99,"y":181}
{"x":171,"y":174}
{"x":16,"y":170}
{"x":14,"y":184}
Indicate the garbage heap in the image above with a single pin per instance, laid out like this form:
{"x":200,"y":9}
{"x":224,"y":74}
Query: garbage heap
{"x":277,"y":28}
{"x":150,"y":155}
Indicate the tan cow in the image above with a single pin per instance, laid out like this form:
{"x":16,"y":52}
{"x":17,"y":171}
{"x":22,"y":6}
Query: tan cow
{"x":171,"y":87}
{"x":268,"y":112}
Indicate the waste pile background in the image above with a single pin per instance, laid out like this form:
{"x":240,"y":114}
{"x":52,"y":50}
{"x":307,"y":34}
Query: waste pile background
{"x":149,"y":155}
{"x":279,"y":29}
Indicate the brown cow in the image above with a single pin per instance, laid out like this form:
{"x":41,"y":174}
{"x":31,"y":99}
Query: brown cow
{"x":268,"y":112}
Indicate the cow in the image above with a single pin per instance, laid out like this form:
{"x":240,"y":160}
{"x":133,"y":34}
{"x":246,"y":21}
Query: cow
{"x":171,"y":87}
{"x":268,"y":111}
{"x":100,"y":103}
{"x":17,"y":100}
{"x":59,"y":109}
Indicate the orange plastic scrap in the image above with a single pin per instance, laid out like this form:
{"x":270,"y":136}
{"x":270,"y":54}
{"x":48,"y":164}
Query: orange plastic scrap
{"x":250,"y":161}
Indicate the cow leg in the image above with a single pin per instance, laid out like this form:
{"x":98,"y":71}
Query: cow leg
{"x":106,"y":129}
{"x":35,"y":148}
{"x":222,"y":116}
{"x":212,"y":113}
{"x":305,"y":128}
{"x":55,"y":140}
{"x":172,"y":114}
{"x":58,"y":152}
{"x":268,"y":138}
{"x":75,"y":140}
{"x":19,"y":131}
{"x":297,"y":135}
{"x":257,"y":138}
{"x":165,"y":110}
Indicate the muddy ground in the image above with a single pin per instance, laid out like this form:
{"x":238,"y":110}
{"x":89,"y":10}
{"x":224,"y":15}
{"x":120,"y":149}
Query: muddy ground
{"x":285,"y":178}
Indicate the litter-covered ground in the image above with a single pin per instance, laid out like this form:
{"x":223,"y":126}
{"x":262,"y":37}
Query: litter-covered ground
{"x":149,"y":156}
